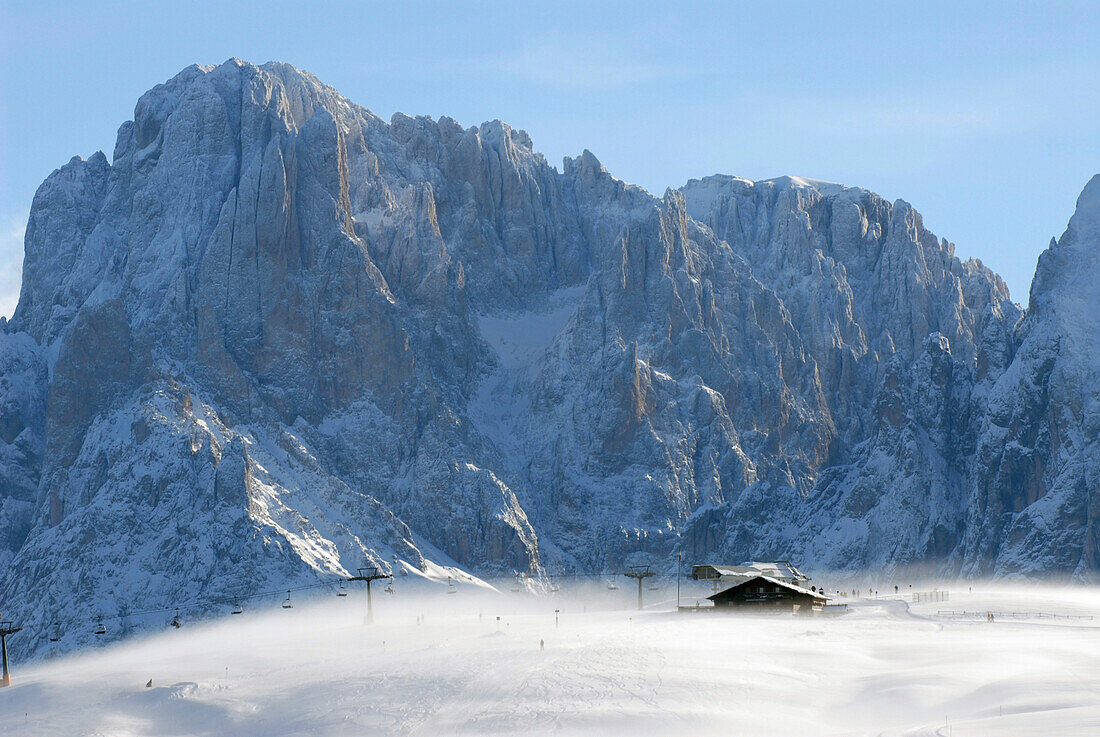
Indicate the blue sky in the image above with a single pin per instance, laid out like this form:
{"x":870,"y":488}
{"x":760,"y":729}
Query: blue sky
{"x":985,"y":116}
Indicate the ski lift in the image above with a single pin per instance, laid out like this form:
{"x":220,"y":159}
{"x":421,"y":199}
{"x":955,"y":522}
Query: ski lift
{"x":654,"y":587}
{"x":451,"y":586}
{"x":389,"y":587}
{"x":341,"y":591}
{"x":612,"y":586}
{"x":100,"y":629}
{"x":176,"y":620}
{"x":286,"y":602}
{"x":554,"y":587}
{"x":56,"y":636}
{"x":236,"y":607}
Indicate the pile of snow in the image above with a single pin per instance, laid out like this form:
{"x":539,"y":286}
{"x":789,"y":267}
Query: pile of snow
{"x":519,"y":339}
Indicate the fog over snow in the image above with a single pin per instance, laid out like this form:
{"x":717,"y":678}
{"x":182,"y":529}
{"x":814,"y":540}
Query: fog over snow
{"x":438,"y":664}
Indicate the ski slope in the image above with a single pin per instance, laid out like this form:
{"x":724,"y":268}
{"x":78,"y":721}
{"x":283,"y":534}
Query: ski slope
{"x":434,"y":664}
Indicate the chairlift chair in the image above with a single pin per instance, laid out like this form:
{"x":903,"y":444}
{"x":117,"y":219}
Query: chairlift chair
{"x":56,"y":635}
{"x":176,"y":620}
{"x":341,"y":591}
{"x":100,"y":629}
{"x":612,"y":586}
{"x":389,"y":588}
{"x":236,"y":607}
{"x":286,"y":602}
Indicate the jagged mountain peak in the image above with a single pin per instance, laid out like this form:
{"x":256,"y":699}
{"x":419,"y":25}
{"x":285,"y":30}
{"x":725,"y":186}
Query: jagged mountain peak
{"x":1069,"y":270}
{"x":1036,"y":504}
{"x":1086,"y":218}
{"x":277,"y":335}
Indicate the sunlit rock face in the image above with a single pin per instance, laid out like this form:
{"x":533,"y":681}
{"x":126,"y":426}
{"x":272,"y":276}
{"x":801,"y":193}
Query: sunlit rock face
{"x":275,"y":336}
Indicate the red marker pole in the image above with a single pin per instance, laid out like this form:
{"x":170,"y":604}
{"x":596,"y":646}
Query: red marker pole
{"x":6,"y":628}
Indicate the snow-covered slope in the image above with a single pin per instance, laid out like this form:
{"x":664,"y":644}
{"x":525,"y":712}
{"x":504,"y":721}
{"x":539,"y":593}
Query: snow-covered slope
{"x":275,"y":336}
{"x":447,"y":666}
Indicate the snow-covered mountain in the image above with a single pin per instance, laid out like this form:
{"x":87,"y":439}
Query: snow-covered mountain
{"x":275,"y":336}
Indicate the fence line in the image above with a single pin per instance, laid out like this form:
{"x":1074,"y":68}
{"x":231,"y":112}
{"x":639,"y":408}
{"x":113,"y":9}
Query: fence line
{"x":1010,"y":615}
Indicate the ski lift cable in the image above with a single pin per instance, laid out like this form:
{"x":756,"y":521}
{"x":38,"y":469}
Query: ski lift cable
{"x":236,"y":598}
{"x":201,"y":604}
{"x":195,"y":604}
{"x":235,"y":601}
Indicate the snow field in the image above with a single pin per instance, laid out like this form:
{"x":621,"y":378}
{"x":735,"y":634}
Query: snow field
{"x":435,"y":664}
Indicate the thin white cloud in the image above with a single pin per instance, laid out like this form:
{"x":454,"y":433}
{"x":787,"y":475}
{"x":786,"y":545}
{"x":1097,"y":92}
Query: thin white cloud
{"x":585,"y":61}
{"x":589,"y":61}
{"x":1010,"y":104}
{"x":12,"y":228}
{"x":569,"y":61}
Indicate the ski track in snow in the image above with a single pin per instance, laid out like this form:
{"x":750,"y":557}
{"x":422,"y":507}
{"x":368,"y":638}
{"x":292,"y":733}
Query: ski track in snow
{"x":885,"y":668}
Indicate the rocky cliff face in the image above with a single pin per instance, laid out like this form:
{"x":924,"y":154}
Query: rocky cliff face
{"x":908,"y":341}
{"x":1034,"y":502}
{"x":275,"y":336}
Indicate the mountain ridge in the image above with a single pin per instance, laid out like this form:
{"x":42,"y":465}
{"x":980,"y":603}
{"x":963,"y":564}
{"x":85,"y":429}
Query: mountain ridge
{"x":275,"y":336}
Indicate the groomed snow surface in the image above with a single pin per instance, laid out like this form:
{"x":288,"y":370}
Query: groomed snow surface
{"x":437,"y":665}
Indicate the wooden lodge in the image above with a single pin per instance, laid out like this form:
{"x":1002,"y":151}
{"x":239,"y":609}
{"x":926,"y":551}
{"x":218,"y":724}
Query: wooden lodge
{"x":764,"y":593}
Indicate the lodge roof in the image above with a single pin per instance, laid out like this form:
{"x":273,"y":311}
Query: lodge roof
{"x":777,"y":582}
{"x":776,"y":569}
